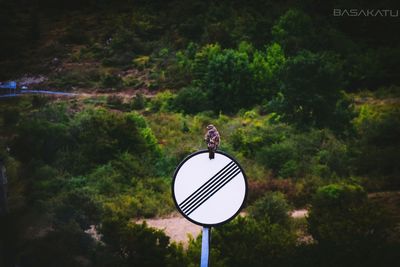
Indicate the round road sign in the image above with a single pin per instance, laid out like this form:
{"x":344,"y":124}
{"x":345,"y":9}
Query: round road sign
{"x":209,"y":192}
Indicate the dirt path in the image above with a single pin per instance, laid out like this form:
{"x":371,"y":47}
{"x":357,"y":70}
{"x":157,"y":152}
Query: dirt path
{"x":179,"y":229}
{"x":176,"y":227}
{"x":299,"y":213}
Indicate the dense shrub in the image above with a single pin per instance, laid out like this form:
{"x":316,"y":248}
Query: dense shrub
{"x":348,"y":227}
{"x":266,"y":67}
{"x":294,"y":31}
{"x":91,"y":137}
{"x":272,"y":205}
{"x":260,"y":242}
{"x":231,"y":79}
{"x":278,"y":156}
{"x":378,"y":144}
{"x":313,"y":101}
{"x":79,"y":77}
{"x":102,"y":135}
{"x":341,"y":215}
{"x":162,"y":102}
{"x":249,"y":140}
{"x":191,"y":100}
{"x":64,"y":247}
{"x":40,"y":139}
{"x":139,"y":245}
{"x":257,"y":189}
{"x":75,"y":206}
{"x":142,"y":200}
{"x":291,"y":153}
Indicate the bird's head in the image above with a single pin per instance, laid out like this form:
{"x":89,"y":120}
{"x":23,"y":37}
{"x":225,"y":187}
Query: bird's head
{"x":210,"y":126}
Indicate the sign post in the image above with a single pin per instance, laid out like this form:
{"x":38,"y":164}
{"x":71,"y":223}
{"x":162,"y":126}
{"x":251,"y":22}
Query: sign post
{"x":205,"y":247}
{"x":209,"y":192}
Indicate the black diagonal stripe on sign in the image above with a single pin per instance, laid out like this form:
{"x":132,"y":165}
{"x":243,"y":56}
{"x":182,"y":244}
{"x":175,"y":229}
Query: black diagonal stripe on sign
{"x":211,"y":187}
{"x":201,"y":199}
{"x":193,"y":195}
{"x":216,"y":189}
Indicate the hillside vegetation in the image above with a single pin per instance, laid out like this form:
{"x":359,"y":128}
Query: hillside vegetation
{"x":308,"y":103}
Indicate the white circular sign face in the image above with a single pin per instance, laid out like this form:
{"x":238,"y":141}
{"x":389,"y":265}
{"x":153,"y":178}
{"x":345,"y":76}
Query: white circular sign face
{"x":209,"y":191}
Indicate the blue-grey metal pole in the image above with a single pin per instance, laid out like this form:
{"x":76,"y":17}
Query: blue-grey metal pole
{"x":205,"y":247}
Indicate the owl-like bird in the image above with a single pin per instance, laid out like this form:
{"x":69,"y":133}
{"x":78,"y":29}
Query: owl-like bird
{"x":212,"y":139}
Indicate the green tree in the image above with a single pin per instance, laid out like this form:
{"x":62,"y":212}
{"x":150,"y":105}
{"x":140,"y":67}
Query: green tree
{"x":226,"y":78}
{"x":310,"y":90}
{"x":294,"y":31}
{"x":229,"y":79}
{"x":266,"y":68}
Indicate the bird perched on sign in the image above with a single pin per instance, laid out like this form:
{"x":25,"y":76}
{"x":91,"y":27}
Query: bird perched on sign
{"x":212,"y":139}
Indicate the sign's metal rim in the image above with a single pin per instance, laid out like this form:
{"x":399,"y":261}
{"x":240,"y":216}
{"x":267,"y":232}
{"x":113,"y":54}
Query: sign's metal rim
{"x":173,"y":186}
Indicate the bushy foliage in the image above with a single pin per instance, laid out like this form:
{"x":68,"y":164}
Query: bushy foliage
{"x":75,"y":206}
{"x":348,"y":226}
{"x":260,"y":241}
{"x":294,"y":31}
{"x":126,"y":41}
{"x":266,"y":68}
{"x":290,"y":153}
{"x":272,"y":205}
{"x":259,"y":188}
{"x":228,"y":79}
{"x":79,"y":77}
{"x":66,"y":246}
{"x":138,"y":245}
{"x":40,"y":139}
{"x":231,"y":79}
{"x":378,"y":144}
{"x":342,"y":215}
{"x":317,"y":100}
{"x":91,"y":137}
{"x":92,"y":156}
{"x":139,"y":200}
{"x":162,"y":102}
{"x":191,"y":100}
